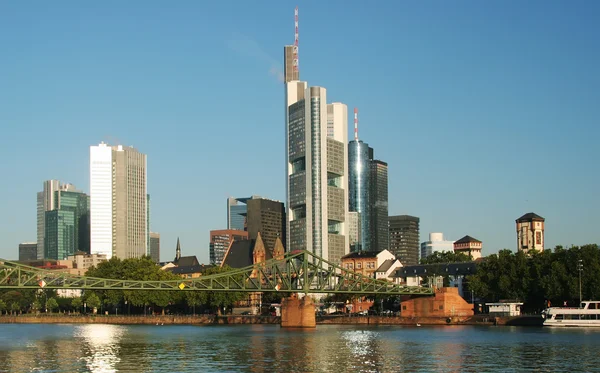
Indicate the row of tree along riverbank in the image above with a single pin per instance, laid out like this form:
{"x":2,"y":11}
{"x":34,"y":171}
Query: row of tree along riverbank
{"x":239,"y":319}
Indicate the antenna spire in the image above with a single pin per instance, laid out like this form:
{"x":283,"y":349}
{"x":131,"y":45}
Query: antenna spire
{"x":296,"y":67}
{"x":355,"y":124}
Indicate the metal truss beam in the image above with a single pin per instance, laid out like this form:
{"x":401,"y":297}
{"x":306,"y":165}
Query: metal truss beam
{"x":295,"y":272}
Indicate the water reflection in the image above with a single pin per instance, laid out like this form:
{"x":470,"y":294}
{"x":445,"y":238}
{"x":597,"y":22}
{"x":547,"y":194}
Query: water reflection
{"x":269,"y":348}
{"x":101,"y":346}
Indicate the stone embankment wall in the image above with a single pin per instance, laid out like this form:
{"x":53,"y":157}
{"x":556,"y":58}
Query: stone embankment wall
{"x":234,"y":320}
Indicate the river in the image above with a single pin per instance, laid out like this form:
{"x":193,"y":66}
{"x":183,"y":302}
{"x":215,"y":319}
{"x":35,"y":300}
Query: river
{"x":268,"y":348}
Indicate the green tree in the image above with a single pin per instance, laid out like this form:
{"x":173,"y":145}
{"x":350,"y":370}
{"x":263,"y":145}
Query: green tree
{"x":2,"y":306}
{"x":92,"y":300}
{"x":445,"y":257}
{"x":76,"y":303}
{"x":15,"y":307}
{"x":52,"y":304}
{"x":220,"y":300}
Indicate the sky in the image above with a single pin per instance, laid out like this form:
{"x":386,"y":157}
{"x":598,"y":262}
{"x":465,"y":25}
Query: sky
{"x":484,"y":111}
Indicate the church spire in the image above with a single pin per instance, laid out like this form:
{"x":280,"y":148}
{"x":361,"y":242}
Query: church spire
{"x":178,"y":251}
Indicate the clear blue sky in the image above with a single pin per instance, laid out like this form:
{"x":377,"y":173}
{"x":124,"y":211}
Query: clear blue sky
{"x":483,"y":110}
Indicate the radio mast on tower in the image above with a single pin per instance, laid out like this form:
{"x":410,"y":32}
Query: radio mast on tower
{"x":355,"y":124}
{"x":296,"y":40}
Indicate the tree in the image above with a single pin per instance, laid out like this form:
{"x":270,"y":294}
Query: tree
{"x":220,"y":300}
{"x":445,"y":257}
{"x":92,"y":300}
{"x":52,"y":304}
{"x":77,"y":303}
{"x":2,"y":306}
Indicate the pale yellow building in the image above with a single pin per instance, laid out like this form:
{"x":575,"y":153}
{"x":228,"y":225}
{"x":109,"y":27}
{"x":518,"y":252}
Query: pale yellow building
{"x":530,"y":232}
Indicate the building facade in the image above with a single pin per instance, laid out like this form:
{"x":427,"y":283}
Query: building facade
{"x":530,"y":232}
{"x":317,"y":164}
{"x":359,"y":190}
{"x":379,"y":205}
{"x":404,"y":238}
{"x":118,"y":201}
{"x":155,"y":247}
{"x":27,"y":251}
{"x":266,"y":217}
{"x":45,"y":202}
{"x":353,"y":230}
{"x":469,"y":246}
{"x":220,"y":240}
{"x":366,"y":263}
{"x":66,"y":224}
{"x":435,"y":244}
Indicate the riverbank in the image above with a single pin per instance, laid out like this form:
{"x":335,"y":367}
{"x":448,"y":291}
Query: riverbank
{"x":239,"y":319}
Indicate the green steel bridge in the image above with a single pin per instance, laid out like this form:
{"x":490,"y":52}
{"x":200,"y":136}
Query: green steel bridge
{"x":295,"y":272}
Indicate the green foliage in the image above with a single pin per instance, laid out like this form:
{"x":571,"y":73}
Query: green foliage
{"x":51,"y":304}
{"x":92,"y":300}
{"x":219,"y":300}
{"x":77,"y":303}
{"x":538,"y":277}
{"x":134,"y":269}
{"x":2,"y":306}
{"x":445,"y":257}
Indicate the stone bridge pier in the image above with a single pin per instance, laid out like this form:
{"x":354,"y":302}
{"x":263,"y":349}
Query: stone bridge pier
{"x":298,"y":312}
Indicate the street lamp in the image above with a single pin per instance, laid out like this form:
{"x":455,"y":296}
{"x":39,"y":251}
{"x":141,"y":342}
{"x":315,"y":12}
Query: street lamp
{"x":580,"y":269}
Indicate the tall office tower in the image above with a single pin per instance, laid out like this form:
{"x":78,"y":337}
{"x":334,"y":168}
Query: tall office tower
{"x":237,"y":209}
{"x":266,"y":217}
{"x":379,"y":206}
{"x":118,"y":192}
{"x":149,"y":251}
{"x":353,"y":230}
{"x":27,"y":251}
{"x":404,"y":238}
{"x":67,"y":225}
{"x":155,"y":246}
{"x":220,"y":241}
{"x":359,"y":188}
{"x":45,"y":202}
{"x":317,"y":194}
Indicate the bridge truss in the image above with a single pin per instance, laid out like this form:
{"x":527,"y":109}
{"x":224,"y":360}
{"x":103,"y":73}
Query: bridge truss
{"x":295,"y":272}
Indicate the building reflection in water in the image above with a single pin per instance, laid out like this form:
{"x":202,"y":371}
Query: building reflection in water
{"x":102,"y":343}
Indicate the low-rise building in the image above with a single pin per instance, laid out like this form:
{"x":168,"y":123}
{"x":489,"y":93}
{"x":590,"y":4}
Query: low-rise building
{"x":366,"y":263}
{"x":469,"y":246}
{"x":501,"y":309}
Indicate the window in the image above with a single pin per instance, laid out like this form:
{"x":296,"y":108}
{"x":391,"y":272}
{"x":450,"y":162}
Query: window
{"x":358,"y":265}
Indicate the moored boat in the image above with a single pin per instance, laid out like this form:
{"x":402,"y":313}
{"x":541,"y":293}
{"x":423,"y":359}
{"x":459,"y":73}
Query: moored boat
{"x":588,"y":315}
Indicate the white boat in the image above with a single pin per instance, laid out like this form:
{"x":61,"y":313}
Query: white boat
{"x":588,"y":315}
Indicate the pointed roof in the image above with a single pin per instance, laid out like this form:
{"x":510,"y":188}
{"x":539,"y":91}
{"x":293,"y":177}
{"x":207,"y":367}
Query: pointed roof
{"x":178,"y":250}
{"x":467,"y":239}
{"x":530,"y":216}
{"x":278,"y":251}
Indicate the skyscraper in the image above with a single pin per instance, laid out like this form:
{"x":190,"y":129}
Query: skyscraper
{"x":266,"y":217}
{"x":118,"y":199}
{"x":45,"y":202}
{"x":67,"y":225}
{"x":155,"y":246}
{"x":359,"y":189}
{"x":379,"y":206}
{"x":404,"y":238}
{"x":237,"y":210}
{"x":317,"y":194}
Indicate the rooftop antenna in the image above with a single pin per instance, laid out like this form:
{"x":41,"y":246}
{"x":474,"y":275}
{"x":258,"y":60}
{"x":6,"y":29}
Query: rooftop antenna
{"x":295,"y":61}
{"x":355,"y":124}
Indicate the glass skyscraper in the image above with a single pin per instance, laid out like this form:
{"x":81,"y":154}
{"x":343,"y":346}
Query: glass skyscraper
{"x":379,"y":205}
{"x":359,"y":190}
{"x":67,"y":226}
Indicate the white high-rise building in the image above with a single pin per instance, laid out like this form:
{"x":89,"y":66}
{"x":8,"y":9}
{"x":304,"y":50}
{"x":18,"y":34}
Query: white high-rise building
{"x":436,"y":243}
{"x":317,"y":179}
{"x":118,"y":202}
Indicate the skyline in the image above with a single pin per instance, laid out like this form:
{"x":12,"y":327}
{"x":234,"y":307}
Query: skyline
{"x":82,"y":74}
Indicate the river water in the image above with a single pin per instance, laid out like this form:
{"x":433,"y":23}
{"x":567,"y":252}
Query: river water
{"x":268,"y":348}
